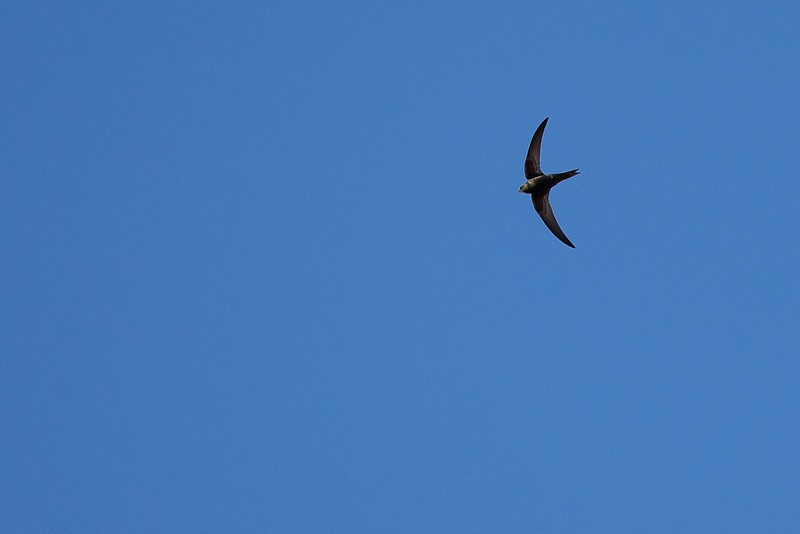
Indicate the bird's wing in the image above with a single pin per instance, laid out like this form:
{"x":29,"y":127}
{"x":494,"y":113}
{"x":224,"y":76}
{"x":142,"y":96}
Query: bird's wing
{"x":532,"y":167}
{"x":542,"y":205}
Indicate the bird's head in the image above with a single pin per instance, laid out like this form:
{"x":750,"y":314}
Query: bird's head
{"x":525,"y":188}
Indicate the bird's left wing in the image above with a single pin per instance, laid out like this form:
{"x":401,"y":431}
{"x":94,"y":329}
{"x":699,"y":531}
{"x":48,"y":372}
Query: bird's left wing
{"x":532,"y":167}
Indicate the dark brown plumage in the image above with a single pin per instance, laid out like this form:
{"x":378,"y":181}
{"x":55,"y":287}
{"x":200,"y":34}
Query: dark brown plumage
{"x":538,"y":185}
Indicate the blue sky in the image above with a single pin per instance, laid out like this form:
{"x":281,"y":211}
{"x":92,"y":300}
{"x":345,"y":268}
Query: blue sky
{"x":265,"y":267}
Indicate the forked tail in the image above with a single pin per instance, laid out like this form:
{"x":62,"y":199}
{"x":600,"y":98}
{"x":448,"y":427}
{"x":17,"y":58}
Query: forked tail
{"x":560,"y":177}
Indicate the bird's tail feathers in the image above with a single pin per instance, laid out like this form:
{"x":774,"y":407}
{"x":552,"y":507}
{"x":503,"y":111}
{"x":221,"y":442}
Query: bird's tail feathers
{"x":560,"y":177}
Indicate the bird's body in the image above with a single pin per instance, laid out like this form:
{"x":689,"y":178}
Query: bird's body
{"x":538,"y":185}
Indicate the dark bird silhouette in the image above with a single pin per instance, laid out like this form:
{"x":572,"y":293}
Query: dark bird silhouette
{"x":538,"y":185}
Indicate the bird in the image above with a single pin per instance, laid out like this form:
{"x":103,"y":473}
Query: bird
{"x":538,"y":185}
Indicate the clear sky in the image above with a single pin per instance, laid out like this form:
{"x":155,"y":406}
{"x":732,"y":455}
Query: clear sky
{"x":265,"y":267}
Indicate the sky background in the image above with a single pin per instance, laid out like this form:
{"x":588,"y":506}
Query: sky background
{"x":265,"y":268}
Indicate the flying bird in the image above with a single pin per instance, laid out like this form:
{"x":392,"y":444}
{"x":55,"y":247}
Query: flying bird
{"x":538,"y":185}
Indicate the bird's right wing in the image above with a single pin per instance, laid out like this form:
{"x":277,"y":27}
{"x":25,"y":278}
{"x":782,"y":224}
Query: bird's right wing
{"x":542,"y":205}
{"x":532,"y":167}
